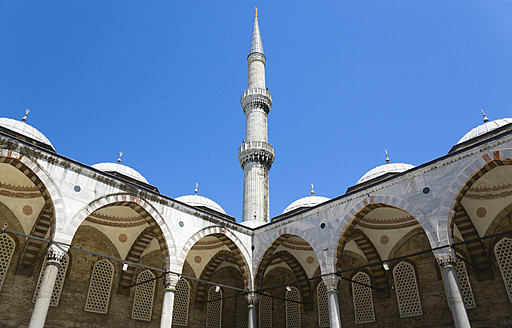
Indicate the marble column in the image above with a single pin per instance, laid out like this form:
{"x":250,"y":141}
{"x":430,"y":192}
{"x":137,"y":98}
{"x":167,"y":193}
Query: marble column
{"x":452,"y":288}
{"x":252,"y":301}
{"x":332,"y":282}
{"x":170,"y":281}
{"x":54,"y":258}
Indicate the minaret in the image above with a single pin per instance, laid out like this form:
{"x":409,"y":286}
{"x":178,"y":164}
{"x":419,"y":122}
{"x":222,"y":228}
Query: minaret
{"x":256,"y":154}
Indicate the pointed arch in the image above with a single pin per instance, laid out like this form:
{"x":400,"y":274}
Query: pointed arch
{"x":300,"y":274}
{"x":208,"y":272}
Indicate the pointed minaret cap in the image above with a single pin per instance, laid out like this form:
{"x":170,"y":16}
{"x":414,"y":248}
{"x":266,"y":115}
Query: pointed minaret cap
{"x":256,"y":44}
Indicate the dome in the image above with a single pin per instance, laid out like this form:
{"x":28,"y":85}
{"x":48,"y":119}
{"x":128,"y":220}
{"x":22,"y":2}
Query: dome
{"x":383,"y":169}
{"x":121,"y":169}
{"x":200,"y":201}
{"x":309,"y":201}
{"x":484,"y":128}
{"x":25,"y":130}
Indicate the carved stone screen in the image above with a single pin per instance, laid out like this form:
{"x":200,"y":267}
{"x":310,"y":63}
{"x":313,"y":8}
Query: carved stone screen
{"x":406,"y":288}
{"x":98,"y":295}
{"x":144,"y":296}
{"x":363,"y":299}
{"x":7,"y":246}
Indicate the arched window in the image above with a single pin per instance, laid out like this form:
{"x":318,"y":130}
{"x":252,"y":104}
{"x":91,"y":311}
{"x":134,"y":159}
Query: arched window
{"x":503,"y":253}
{"x":265,"y":311}
{"x":59,"y":281}
{"x":406,"y":288}
{"x":214,"y":308}
{"x":7,"y":246}
{"x":98,"y":294}
{"x":323,"y":306}
{"x":242,"y":312}
{"x":465,"y":285}
{"x":293,"y":308}
{"x":144,"y":295}
{"x":181,"y":302}
{"x":363,"y":299}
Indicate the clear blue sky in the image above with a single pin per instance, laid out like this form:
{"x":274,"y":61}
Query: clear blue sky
{"x":161,"y":81}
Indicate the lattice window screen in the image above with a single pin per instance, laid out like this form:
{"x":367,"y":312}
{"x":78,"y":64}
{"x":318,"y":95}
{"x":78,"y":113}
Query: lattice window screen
{"x":59,"y":281}
{"x":144,"y":296}
{"x":465,"y":285}
{"x":503,"y":253}
{"x":242,"y":312}
{"x":293,"y":308}
{"x":363,"y":299}
{"x":406,"y":288}
{"x":265,"y":311}
{"x":7,"y":246}
{"x":323,"y":306}
{"x":100,"y":286}
{"x":214,"y":309}
{"x":181,"y":302}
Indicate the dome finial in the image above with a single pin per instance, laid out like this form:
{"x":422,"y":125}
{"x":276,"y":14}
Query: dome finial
{"x":24,"y":119}
{"x":195,"y":191}
{"x":119,"y":158}
{"x":485,"y":117}
{"x":255,"y":12}
{"x":387,"y":158}
{"x":312,"y":190}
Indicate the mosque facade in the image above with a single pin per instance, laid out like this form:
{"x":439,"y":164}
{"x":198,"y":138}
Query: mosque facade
{"x":100,"y":246}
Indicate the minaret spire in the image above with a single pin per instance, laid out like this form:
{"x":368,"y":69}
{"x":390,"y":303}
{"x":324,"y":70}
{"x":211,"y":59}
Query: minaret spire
{"x":255,"y":154}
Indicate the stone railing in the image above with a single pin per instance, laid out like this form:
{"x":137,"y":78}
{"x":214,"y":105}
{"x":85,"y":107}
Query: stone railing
{"x":256,"y":151}
{"x":256,"y":97}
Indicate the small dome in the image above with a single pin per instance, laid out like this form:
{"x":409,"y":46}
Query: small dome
{"x":121,"y":169}
{"x":200,"y":201}
{"x":309,"y":201}
{"x":24,"y":129}
{"x":484,"y":128}
{"x":383,"y":169}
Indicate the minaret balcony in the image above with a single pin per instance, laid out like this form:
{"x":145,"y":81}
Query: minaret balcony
{"x":256,"y":151}
{"x":256,"y":97}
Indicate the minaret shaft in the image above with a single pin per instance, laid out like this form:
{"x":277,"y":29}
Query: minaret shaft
{"x":256,"y":154}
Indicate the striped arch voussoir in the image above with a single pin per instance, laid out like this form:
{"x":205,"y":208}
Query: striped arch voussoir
{"x":208,"y":272}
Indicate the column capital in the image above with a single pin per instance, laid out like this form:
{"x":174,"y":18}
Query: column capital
{"x":55,"y":253}
{"x":252,"y":298}
{"x":331,"y":282}
{"x":445,"y":257}
{"x":170,"y":280}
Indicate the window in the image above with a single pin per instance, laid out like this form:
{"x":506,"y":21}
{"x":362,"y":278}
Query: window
{"x":7,"y":246}
{"x":214,"y":308}
{"x":503,"y":253}
{"x":242,"y":312}
{"x":265,"y":311}
{"x":323,"y":306}
{"x":363,"y":299}
{"x":406,"y":288}
{"x":293,"y":308}
{"x":181,"y":302}
{"x":98,"y":294}
{"x":465,"y":285}
{"x":144,"y":295}
{"x":59,"y":281}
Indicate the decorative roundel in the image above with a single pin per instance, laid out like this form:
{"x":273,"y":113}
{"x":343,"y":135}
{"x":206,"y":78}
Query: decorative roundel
{"x":481,"y":212}
{"x":181,"y":224}
{"x":123,"y":238}
{"x":77,"y":188}
{"x":27,"y":210}
{"x":198,"y":259}
{"x":310,"y":259}
{"x":384,"y":239}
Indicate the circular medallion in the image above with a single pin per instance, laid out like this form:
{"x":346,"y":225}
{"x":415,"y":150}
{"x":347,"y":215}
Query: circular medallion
{"x":77,"y":188}
{"x":322,"y":225}
{"x":310,"y":259}
{"x":384,"y":239}
{"x":181,"y":224}
{"x":481,"y":212}
{"x":426,"y":190}
{"x":123,"y":238}
{"x":27,"y":210}
{"x":198,"y":259}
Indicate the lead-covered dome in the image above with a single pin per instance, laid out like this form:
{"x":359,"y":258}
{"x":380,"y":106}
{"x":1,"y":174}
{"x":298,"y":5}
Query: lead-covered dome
{"x":25,"y":130}
{"x":384,"y":169}
{"x":200,"y":201}
{"x":309,"y":201}
{"x":484,"y":128}
{"x":121,"y":169}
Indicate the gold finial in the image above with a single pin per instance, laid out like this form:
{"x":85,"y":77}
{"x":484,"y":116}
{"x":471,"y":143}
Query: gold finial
{"x":24,"y":119}
{"x":256,"y":12}
{"x":195,"y":191}
{"x":387,"y":158}
{"x":312,"y":190}
{"x":485,"y":117}
{"x":119,"y":159}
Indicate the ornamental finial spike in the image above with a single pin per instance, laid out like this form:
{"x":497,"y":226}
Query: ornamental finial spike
{"x":387,"y":158}
{"x":195,"y":191}
{"x":24,"y":119}
{"x":485,"y":117}
{"x":312,"y":190}
{"x":255,"y":12}
{"x":119,"y":158}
